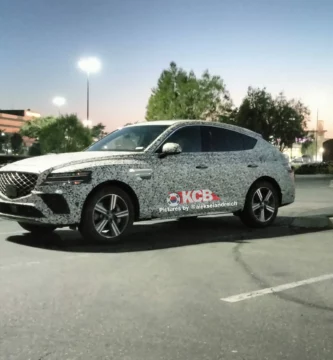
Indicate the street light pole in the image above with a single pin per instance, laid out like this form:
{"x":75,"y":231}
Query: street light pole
{"x":89,"y":66}
{"x":317,"y":138}
{"x":87,"y":95}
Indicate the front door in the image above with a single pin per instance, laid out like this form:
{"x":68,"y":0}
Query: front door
{"x":185,"y":184}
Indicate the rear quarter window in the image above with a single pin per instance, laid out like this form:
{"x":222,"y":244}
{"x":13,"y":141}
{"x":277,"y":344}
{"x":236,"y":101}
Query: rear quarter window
{"x":217,"y":139}
{"x":248,"y":142}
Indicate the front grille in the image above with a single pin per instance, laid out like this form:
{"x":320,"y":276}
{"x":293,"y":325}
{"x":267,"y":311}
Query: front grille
{"x":21,"y":183}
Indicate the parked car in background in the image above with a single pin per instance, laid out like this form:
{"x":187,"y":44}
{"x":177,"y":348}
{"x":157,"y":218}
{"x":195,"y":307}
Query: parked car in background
{"x":304,"y":159}
{"x":159,"y":169}
{"x":307,"y":159}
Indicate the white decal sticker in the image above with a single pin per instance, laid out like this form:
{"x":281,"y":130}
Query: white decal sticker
{"x":194,"y":200}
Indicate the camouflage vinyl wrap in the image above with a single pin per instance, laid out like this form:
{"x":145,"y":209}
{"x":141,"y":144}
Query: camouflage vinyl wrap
{"x":166,"y":187}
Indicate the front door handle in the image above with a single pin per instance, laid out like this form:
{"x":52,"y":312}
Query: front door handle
{"x":201,"y":167}
{"x":252,"y":166}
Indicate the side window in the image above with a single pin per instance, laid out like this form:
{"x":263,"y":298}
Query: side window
{"x":188,"y":137}
{"x":222,"y":140}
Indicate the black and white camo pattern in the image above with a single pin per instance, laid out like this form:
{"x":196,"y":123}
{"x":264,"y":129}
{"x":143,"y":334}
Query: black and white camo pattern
{"x":152,"y":179}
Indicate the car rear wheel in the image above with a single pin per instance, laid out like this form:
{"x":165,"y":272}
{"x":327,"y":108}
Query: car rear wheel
{"x":37,"y":228}
{"x":261,"y":205}
{"x":107,"y":216}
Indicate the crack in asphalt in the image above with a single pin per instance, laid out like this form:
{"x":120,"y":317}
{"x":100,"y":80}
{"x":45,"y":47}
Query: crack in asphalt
{"x":44,"y":356}
{"x":237,"y":254}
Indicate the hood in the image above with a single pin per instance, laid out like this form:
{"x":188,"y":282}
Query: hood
{"x":39,"y":164}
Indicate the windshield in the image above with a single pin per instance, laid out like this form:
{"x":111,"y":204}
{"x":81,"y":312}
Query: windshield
{"x":131,"y":138}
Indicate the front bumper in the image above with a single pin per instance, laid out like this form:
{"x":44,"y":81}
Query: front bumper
{"x":52,"y":206}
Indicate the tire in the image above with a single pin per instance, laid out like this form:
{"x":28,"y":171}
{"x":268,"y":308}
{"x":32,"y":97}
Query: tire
{"x":99,"y":224}
{"x":237,"y":213}
{"x":37,"y":229}
{"x":266,"y":204}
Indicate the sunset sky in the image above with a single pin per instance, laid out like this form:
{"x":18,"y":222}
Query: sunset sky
{"x":284,"y":45}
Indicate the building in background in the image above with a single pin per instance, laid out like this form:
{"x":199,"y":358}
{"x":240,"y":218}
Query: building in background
{"x":316,"y":150}
{"x":319,"y":138}
{"x":328,"y":150}
{"x":11,"y":121}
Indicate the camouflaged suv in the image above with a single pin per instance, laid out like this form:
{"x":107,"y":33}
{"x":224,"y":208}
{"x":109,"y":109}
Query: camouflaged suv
{"x":159,"y":169}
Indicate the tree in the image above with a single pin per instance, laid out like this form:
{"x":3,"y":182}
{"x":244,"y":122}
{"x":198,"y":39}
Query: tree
{"x":279,"y":121}
{"x":16,"y":143}
{"x":257,"y":112}
{"x":181,"y":95}
{"x":34,"y":149}
{"x":32,"y":128}
{"x":290,"y":120}
{"x":97,"y":131}
{"x":66,"y":134}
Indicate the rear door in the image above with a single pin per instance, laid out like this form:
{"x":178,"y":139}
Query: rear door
{"x":236,"y":168}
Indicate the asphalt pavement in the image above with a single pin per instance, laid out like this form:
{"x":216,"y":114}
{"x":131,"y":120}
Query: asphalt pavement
{"x":313,"y":196}
{"x":207,"y":289}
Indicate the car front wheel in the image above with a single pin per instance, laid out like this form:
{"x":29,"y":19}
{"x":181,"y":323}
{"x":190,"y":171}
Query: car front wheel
{"x":261,"y":205}
{"x":107,"y":216}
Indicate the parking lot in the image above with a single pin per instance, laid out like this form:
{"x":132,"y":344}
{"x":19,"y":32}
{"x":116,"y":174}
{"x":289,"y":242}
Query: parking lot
{"x":207,"y":289}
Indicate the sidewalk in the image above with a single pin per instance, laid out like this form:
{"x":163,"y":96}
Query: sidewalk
{"x":313,"y":204}
{"x":313,"y":197}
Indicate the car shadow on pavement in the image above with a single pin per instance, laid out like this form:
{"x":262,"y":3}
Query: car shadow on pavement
{"x":162,"y":235}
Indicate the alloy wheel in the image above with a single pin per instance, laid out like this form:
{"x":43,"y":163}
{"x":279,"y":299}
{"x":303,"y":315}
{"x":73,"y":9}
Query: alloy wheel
{"x":110,"y":216}
{"x":263,"y":204}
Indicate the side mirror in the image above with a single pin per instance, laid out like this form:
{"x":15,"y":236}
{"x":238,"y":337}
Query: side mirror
{"x":171,"y":149}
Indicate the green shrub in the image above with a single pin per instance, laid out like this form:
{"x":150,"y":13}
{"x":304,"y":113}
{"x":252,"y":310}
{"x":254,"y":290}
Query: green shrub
{"x":317,"y":168}
{"x":330,"y":168}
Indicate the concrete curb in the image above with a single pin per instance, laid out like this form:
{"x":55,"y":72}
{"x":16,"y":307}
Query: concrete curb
{"x":314,"y":176}
{"x":314,"y":222}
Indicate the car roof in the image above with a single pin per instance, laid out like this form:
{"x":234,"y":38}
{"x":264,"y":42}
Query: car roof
{"x":156,"y":122}
{"x":178,"y":123}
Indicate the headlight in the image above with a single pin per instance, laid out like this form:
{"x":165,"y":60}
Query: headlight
{"x":73,"y":178}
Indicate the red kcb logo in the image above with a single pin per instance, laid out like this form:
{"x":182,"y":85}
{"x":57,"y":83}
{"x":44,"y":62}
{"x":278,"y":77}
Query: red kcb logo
{"x":194,"y":196}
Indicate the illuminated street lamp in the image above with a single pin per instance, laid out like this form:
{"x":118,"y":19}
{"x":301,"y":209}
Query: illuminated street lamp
{"x":87,"y":123}
{"x":59,"y":101}
{"x":89,"y":66}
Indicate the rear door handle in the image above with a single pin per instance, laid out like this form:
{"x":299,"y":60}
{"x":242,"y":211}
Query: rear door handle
{"x":252,"y":166}
{"x":201,"y":167}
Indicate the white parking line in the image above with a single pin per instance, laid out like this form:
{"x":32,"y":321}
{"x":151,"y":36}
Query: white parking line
{"x":275,"y":289}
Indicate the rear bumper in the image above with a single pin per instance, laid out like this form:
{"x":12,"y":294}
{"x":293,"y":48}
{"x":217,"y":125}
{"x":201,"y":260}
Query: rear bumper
{"x":288,"y":195}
